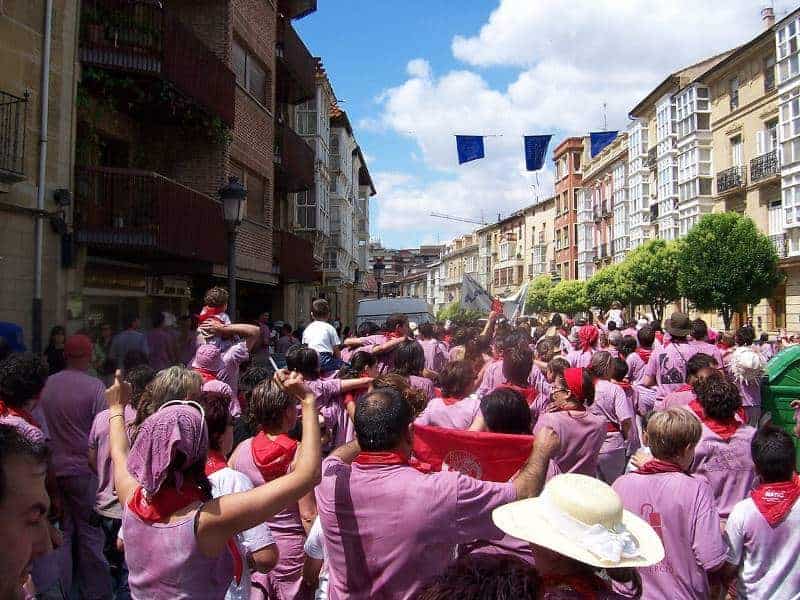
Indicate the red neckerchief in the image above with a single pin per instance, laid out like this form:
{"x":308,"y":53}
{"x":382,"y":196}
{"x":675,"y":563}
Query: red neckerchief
{"x":657,"y":466}
{"x":585,"y":584}
{"x":625,"y":385}
{"x":209,"y":312}
{"x":684,"y":388}
{"x":164,"y":503}
{"x":775,"y":500}
{"x":205,"y":374}
{"x":659,"y":336}
{"x":381,"y":458}
{"x":447,"y":339}
{"x":437,"y":392}
{"x":724,"y":429}
{"x":644,"y":354}
{"x":215,"y":461}
{"x":529,"y":394}
{"x":23,"y":414}
{"x":273,"y":457}
{"x":450,"y":401}
{"x":393,"y":335}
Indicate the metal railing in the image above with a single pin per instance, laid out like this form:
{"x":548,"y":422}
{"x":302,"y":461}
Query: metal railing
{"x":780,"y":242}
{"x":730,"y":179}
{"x":13,"y":116}
{"x":764,"y":166}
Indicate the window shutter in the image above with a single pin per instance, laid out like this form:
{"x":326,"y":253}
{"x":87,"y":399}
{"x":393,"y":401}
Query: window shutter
{"x":760,"y":147}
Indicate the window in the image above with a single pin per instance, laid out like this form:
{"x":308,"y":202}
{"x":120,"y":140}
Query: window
{"x":575,"y":199}
{"x":251,"y":74}
{"x":576,"y":161}
{"x":306,"y":117}
{"x":769,"y":73}
{"x":306,"y":210}
{"x":736,"y":151}
{"x":733,"y":86}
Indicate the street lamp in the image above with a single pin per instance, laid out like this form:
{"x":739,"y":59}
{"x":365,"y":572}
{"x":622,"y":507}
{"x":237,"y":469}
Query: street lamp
{"x":378,"y":268}
{"x":233,"y":198}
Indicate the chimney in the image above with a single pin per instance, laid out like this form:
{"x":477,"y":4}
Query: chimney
{"x":768,"y":17}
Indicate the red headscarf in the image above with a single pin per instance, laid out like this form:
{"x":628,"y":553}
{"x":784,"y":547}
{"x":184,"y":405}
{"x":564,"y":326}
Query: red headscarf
{"x":574,"y":380}
{"x":587,"y":337}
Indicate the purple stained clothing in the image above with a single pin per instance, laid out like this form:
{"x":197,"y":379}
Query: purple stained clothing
{"x":615,"y":407}
{"x":681,"y":509}
{"x":232,"y":358}
{"x":750,"y":393}
{"x":676,"y":398}
{"x":29,"y":432}
{"x":385,"y":361}
{"x":578,"y":359}
{"x":493,"y":378}
{"x":389,"y":528}
{"x":435,"y":354}
{"x":645,"y":399}
{"x":766,"y":350}
{"x":726,"y":466}
{"x":581,"y":434}
{"x":539,"y":382}
{"x":704,"y":347}
{"x":668,"y":365}
{"x":161,"y":343}
{"x":106,"y":502}
{"x":636,"y":367}
{"x":422,"y":383}
{"x":165,"y":562}
{"x":286,"y":527}
{"x":326,"y":391}
{"x":450,"y":416}
{"x":70,"y":401}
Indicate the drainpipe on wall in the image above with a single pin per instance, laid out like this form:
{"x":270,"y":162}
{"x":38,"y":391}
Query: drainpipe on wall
{"x":42,"y":180}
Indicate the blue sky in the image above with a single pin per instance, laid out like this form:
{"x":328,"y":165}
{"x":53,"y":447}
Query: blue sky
{"x":411,"y":74}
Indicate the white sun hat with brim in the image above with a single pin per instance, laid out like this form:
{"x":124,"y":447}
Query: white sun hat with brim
{"x":582,"y":518}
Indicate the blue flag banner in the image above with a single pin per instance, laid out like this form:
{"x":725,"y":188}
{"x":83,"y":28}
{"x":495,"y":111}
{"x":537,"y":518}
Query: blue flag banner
{"x":470,"y":147}
{"x":601,"y":139}
{"x":535,"y":150}
{"x":473,"y":295}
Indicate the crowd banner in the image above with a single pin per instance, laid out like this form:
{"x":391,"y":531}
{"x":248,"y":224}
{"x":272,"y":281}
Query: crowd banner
{"x":473,"y":296}
{"x":479,"y":454}
{"x":469,"y":147}
{"x":535,"y":151}
{"x":601,"y":139}
{"x":514,"y":305}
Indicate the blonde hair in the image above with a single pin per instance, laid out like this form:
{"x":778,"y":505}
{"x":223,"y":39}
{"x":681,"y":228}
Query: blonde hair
{"x":172,"y":383}
{"x":669,"y":432}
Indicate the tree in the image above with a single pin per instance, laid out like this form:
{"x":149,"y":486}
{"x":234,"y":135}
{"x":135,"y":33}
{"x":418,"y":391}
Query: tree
{"x":568,"y":297}
{"x":725,"y":263}
{"x":606,"y":286}
{"x":651,"y":272}
{"x":456,"y":313}
{"x":538,"y":293}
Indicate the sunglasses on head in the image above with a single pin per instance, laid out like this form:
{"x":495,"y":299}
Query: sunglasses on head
{"x":191,"y":403}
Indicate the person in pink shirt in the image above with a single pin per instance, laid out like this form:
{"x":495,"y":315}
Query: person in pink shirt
{"x":435,"y":354}
{"x":697,"y":367}
{"x":383,"y":520}
{"x":517,"y":369}
{"x":70,"y":400}
{"x":409,"y":362}
{"x":745,"y":366}
{"x":700,"y":341}
{"x":458,"y":407}
{"x":581,"y":433}
{"x":395,"y":330}
{"x":679,"y":507}
{"x":667,"y":366}
{"x":636,"y":366}
{"x":587,"y":345}
{"x":763,"y":530}
{"x":305,"y":361}
{"x":722,"y":457}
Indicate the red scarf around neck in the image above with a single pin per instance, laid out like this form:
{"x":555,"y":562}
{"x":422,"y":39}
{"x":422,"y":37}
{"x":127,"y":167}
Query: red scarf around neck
{"x":381,"y":458}
{"x":209,"y":312}
{"x":215,"y":461}
{"x":724,"y":429}
{"x":529,"y":394}
{"x":656,"y":466}
{"x":163,"y":504}
{"x":273,"y":457}
{"x":393,"y":335}
{"x":775,"y":500}
{"x":644,"y":354}
{"x":205,"y":374}
{"x":23,"y":414}
{"x":450,"y":401}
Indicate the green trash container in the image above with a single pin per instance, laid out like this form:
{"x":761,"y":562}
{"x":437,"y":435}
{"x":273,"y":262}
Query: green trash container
{"x":781,"y":385}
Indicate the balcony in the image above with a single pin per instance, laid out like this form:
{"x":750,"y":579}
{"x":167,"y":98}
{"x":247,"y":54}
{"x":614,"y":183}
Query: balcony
{"x":653,"y":212}
{"x":294,"y":161}
{"x":651,"y":160}
{"x":764,"y":167}
{"x":144,"y":212}
{"x":13,"y":113}
{"x":296,"y":9}
{"x":781,"y":246}
{"x":141,"y":38}
{"x":730,"y":180}
{"x":296,"y":68}
{"x":293,"y":257}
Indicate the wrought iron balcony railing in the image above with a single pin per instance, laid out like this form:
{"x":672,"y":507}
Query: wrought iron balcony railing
{"x":764,"y":166}
{"x":730,"y":179}
{"x":780,"y":242}
{"x":13,"y":112}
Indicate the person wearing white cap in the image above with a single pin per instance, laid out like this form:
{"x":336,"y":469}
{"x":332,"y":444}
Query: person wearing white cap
{"x":578,"y":526}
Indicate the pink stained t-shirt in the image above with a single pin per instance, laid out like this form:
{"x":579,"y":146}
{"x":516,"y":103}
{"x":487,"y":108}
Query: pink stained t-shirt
{"x":422,"y":383}
{"x":232,"y":358}
{"x":636,"y":367}
{"x":581,"y":434}
{"x":704,"y":347}
{"x":727,"y":466}
{"x":435,"y":355}
{"x":766,"y":556}
{"x":668,"y":365}
{"x":106,"y":501}
{"x":326,"y":391}
{"x":676,"y":398}
{"x":681,"y":509}
{"x":578,"y":359}
{"x":389,"y":528}
{"x":492,"y":378}
{"x":70,"y":401}
{"x":614,"y":406}
{"x":450,"y":416}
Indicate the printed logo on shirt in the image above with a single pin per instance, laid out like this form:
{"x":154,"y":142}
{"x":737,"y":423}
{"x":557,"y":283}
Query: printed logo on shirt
{"x":728,"y":457}
{"x":653,"y":518}
{"x":463,"y":462}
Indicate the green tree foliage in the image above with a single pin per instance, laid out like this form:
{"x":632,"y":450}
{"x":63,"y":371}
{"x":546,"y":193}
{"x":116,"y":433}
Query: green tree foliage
{"x":568,"y":297}
{"x":651,"y":274}
{"x":456,"y":313}
{"x":538,"y":294}
{"x":725,"y":263}
{"x":606,"y":286}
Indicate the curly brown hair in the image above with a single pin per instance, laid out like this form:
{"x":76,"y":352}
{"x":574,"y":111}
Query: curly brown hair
{"x":216,"y":297}
{"x":415,"y":398}
{"x":268,"y":404}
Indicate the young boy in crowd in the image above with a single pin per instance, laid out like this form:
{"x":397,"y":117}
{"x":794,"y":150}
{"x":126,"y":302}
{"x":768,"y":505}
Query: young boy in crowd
{"x":215,"y":303}
{"x":322,"y":337}
{"x":517,"y":365}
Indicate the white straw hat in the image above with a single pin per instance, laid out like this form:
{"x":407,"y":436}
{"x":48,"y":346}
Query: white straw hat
{"x":582,"y":518}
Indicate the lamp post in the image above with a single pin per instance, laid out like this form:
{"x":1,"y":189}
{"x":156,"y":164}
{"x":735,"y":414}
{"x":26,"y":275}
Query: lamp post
{"x":378,"y":268}
{"x":233,"y":198}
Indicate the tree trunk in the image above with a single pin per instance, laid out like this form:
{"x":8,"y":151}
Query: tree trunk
{"x":726,"y":318}
{"x":658,"y":311}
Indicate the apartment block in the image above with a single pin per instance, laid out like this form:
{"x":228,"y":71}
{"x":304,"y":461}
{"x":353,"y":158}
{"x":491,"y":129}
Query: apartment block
{"x":567,"y":157}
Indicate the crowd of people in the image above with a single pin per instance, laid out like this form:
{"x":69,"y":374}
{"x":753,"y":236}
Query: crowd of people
{"x":198,"y":470}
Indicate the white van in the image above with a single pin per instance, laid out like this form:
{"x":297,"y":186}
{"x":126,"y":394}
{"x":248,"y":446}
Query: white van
{"x":378,"y":311}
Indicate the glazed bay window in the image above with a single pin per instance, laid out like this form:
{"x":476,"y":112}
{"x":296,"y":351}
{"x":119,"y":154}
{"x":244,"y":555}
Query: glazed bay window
{"x":790,"y":129}
{"x":791,"y":201}
{"x":306,"y":117}
{"x":788,"y":65}
{"x":251,"y":74}
{"x":306,"y":211}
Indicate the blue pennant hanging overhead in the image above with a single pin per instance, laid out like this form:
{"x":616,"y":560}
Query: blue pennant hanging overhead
{"x":601,"y":139}
{"x":469,"y":147}
{"x":535,"y":151}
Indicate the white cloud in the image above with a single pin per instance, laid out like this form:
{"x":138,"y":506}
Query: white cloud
{"x":571,"y":58}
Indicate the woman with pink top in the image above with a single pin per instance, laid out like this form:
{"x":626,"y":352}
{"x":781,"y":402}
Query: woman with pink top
{"x":178,"y":539}
{"x":587,"y":342}
{"x":458,"y":407}
{"x":268,"y":456}
{"x":409,"y":361}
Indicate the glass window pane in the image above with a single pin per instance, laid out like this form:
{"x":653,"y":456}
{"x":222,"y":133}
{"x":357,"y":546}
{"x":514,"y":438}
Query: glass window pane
{"x":239,"y":63}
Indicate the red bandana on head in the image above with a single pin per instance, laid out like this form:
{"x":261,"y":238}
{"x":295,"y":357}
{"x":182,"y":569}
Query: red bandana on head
{"x":273,"y":457}
{"x":775,"y":500}
{"x":724,"y":429}
{"x":587,"y":337}
{"x":574,"y":379}
{"x":23,"y":414}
